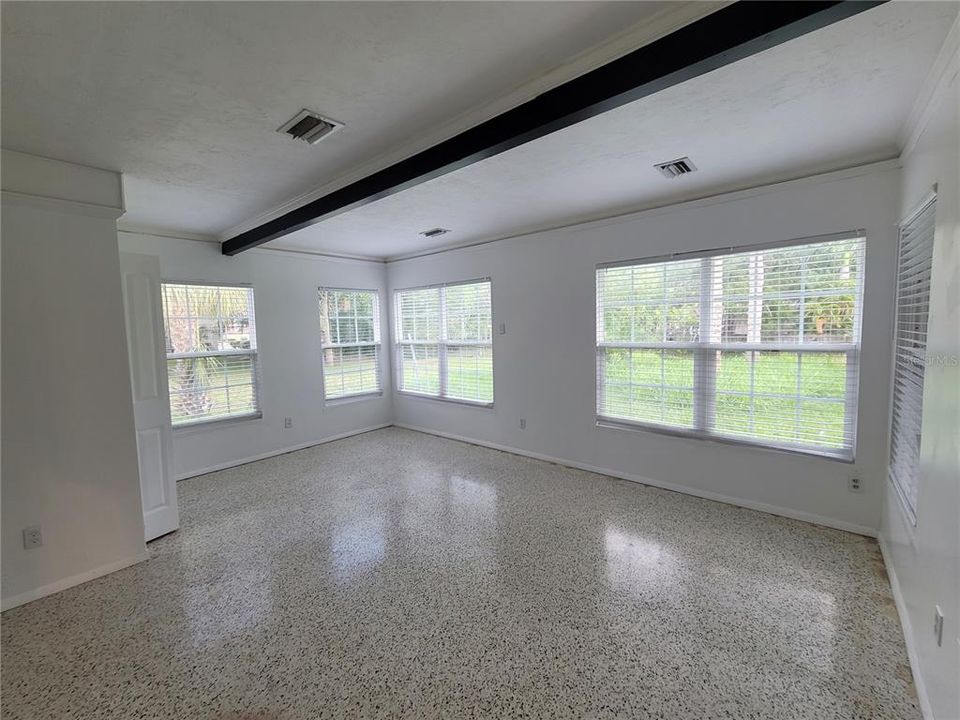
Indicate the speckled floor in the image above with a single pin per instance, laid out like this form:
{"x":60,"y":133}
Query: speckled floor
{"x":396,"y":574}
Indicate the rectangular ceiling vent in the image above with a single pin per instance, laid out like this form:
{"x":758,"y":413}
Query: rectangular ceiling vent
{"x":434,"y":232}
{"x":309,"y":126}
{"x":676,"y":168}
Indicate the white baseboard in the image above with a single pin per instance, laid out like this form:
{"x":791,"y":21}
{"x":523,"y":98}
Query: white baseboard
{"x":55,"y":587}
{"x":69,"y":582}
{"x":280,"y":451}
{"x":908,"y":637}
{"x":685,"y":489}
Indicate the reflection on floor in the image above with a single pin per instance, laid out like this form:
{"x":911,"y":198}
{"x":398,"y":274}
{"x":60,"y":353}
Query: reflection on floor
{"x":398,"y":574}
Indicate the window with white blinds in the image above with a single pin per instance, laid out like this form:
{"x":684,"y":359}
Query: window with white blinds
{"x":444,"y":341}
{"x":913,"y":306}
{"x":350,"y":338}
{"x":756,"y":345}
{"x":211,"y":343}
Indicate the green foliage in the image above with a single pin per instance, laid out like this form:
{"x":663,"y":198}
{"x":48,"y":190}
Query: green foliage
{"x":795,"y":397}
{"x":469,"y":374}
{"x":209,"y":319}
{"x":812,"y":287}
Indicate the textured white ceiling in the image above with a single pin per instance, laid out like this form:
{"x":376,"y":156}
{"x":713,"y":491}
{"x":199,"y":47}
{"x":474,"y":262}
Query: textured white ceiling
{"x":828,"y":100}
{"x":184,"y":98}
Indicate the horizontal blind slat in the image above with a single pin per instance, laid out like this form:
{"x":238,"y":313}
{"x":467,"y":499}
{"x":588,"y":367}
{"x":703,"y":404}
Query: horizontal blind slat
{"x":444,"y":341}
{"x":913,"y":298}
{"x":211,"y":347}
{"x":350,"y":342}
{"x":707,"y":343}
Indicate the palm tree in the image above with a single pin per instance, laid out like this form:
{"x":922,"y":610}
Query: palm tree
{"x":201,"y":320}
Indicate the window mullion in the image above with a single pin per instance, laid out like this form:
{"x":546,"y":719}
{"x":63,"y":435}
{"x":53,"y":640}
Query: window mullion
{"x":704,"y":360}
{"x":442,"y":343}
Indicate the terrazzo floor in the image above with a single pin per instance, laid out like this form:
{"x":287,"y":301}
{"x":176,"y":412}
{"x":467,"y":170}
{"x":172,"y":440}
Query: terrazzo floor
{"x":395,"y":574}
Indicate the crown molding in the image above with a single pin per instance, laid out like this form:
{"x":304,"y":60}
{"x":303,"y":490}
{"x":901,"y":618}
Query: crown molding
{"x":714,"y":198}
{"x":320,"y":254}
{"x":934,"y":86}
{"x":153,"y":231}
{"x":61,"y":205}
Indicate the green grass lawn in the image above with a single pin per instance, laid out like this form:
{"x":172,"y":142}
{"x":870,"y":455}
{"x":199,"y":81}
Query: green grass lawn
{"x":811,"y":413}
{"x":351,"y":376}
{"x":795,"y":398}
{"x":468,"y":377}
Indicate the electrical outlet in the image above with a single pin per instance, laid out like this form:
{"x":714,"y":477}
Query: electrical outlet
{"x":938,"y":624}
{"x":503,"y":328}
{"x":523,"y":424}
{"x":854,"y":485}
{"x":287,"y":423}
{"x":32,"y":537}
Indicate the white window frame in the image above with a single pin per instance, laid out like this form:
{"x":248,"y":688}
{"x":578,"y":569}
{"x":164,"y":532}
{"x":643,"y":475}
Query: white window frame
{"x":252,"y":353}
{"x":442,"y":344}
{"x":704,"y":354}
{"x":907,"y":393}
{"x":376,"y":345}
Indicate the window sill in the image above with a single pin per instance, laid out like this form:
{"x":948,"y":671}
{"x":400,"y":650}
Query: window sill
{"x":630,"y":426}
{"x":203,"y":425}
{"x":455,"y":401}
{"x":357,"y":397}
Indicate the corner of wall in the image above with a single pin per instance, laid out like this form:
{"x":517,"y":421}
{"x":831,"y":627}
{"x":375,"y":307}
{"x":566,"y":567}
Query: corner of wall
{"x":65,"y":440}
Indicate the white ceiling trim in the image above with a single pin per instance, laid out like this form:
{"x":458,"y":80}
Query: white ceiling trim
{"x":944,"y":68}
{"x":162,"y":234}
{"x":134,"y":229}
{"x":716,"y":198}
{"x":638,"y":35}
{"x":319,"y":253}
{"x":79,"y":207}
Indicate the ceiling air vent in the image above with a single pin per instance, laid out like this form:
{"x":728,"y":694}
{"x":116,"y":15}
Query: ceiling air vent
{"x":435,"y":232}
{"x":309,"y":126}
{"x":676,"y":168}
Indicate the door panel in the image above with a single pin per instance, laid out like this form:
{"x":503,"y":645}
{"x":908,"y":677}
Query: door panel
{"x":153,"y":469}
{"x":151,"y":407}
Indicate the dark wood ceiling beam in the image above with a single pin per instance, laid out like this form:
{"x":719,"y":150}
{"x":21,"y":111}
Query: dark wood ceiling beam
{"x":732,"y":33}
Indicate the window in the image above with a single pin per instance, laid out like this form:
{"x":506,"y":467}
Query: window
{"x":910,"y":349}
{"x":758,"y":345}
{"x":444,"y":341}
{"x":211,"y":344}
{"x":350,"y":336}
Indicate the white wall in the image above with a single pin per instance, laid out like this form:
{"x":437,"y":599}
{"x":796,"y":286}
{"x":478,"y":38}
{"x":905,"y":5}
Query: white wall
{"x":69,"y":453}
{"x":544,"y":366}
{"x":924,"y":561}
{"x":288,"y":337}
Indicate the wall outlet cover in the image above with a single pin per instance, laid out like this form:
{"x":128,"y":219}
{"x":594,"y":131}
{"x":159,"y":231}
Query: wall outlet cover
{"x":32,"y":537}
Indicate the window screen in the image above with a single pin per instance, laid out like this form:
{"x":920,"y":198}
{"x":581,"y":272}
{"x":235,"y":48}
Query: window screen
{"x":913,"y":305}
{"x":444,"y":341}
{"x":758,"y":345}
{"x":350,"y":339}
{"x":211,"y":344}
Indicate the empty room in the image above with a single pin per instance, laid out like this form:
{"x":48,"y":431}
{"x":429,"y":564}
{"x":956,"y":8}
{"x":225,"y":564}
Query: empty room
{"x":480,"y":360}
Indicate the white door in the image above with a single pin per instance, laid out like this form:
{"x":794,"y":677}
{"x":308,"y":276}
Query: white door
{"x":151,"y":406}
